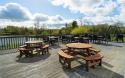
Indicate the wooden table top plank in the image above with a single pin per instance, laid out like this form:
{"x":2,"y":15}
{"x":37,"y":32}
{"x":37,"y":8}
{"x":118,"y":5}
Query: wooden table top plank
{"x":34,"y":42}
{"x":79,"y":45}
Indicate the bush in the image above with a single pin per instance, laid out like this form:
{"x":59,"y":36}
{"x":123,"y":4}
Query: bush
{"x":100,"y":29}
{"x":55,"y":32}
{"x":66,"y":30}
{"x":45,"y":33}
{"x":80,"y":30}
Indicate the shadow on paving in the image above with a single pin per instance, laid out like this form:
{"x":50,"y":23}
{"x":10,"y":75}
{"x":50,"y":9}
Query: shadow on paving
{"x":54,"y":46}
{"x":97,"y":72}
{"x":79,"y":71}
{"x":33,"y":59}
{"x":107,"y":64}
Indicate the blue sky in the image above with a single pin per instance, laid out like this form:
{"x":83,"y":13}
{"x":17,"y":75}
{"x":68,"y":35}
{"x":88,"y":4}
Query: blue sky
{"x":44,"y":6}
{"x":25,"y":12}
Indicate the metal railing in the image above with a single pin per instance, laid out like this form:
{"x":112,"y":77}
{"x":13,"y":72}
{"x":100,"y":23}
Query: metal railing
{"x":11,"y":42}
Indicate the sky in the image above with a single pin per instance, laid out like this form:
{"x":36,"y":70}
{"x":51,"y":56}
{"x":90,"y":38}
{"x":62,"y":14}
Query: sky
{"x":56,"y":13}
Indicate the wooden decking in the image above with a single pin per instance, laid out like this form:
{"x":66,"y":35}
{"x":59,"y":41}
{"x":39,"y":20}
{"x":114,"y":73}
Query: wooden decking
{"x":48,"y":66}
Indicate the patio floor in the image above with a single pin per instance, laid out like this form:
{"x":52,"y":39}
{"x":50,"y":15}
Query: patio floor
{"x":48,"y":66}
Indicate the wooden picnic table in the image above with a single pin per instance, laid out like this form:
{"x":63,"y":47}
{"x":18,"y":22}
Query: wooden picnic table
{"x":90,"y":59}
{"x":34,"y":43}
{"x":79,"y":48}
{"x":32,"y":47}
{"x":79,"y":45}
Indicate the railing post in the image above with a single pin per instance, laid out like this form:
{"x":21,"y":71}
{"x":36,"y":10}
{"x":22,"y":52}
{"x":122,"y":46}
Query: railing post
{"x":26,"y":38}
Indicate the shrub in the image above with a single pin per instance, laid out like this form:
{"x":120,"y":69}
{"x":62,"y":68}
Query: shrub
{"x":45,"y":33}
{"x":80,"y":30}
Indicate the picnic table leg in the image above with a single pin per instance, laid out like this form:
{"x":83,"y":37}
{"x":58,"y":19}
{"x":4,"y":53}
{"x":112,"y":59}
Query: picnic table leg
{"x":30,"y":53}
{"x":69,"y":63}
{"x":88,"y":52}
{"x":47,"y":50}
{"x":59,"y":58}
{"x":87,"y":65}
{"x":100,"y":63}
{"x":42,"y":51}
{"x":20,"y":54}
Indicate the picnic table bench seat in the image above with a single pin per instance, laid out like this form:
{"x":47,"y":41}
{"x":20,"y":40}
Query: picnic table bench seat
{"x":25,"y":51}
{"x":93,"y":60}
{"x":93,"y":51}
{"x":44,"y":49}
{"x":65,"y":58}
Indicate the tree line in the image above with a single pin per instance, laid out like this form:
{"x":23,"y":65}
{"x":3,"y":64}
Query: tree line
{"x":71,"y":28}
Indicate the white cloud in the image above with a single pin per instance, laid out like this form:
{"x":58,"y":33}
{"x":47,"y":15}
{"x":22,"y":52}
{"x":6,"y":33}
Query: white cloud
{"x":40,"y":17}
{"x":57,"y":2}
{"x":121,"y":16}
{"x":122,"y":12}
{"x":82,"y":6}
{"x":105,"y":8}
{"x":95,"y":11}
{"x":121,"y":1}
{"x":49,"y":20}
{"x":15,"y":12}
{"x":57,"y":18}
{"x":87,"y":7}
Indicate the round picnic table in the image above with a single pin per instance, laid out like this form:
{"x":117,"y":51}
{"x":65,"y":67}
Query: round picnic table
{"x":79,"y":45}
{"x":34,"y":43}
{"x":79,"y":48}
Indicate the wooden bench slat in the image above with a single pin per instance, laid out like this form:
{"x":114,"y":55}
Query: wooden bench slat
{"x":94,"y":63}
{"x":63,"y":54}
{"x":94,"y":57}
{"x":45,"y":46}
{"x":93,"y":49}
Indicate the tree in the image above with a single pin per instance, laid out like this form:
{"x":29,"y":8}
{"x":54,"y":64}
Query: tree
{"x":74,"y":24}
{"x":100,"y":29}
{"x":12,"y":30}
